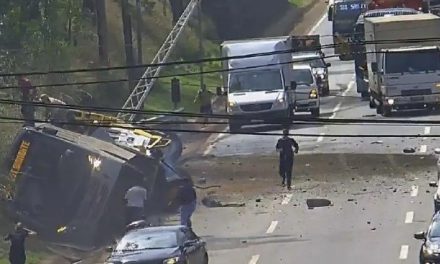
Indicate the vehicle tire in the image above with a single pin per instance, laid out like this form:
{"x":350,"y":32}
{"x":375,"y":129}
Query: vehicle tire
{"x":205,"y":259}
{"x":379,"y":109}
{"x":315,"y":112}
{"x":234,"y":127}
{"x":387,"y":111}
{"x":372,"y":103}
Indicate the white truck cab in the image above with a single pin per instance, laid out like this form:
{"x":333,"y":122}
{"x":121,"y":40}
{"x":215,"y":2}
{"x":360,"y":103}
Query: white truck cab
{"x":307,"y":92}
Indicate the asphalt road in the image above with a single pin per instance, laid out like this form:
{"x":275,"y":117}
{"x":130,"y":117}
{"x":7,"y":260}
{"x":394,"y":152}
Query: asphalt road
{"x":344,"y":103}
{"x":370,"y":221}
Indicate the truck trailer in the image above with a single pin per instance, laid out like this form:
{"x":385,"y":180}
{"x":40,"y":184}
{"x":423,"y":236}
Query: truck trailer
{"x":403,"y":58}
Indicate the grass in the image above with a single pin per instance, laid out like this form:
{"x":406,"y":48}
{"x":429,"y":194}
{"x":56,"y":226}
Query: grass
{"x":300,"y":3}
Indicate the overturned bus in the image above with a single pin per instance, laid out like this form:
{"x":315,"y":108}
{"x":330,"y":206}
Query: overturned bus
{"x":70,"y":187}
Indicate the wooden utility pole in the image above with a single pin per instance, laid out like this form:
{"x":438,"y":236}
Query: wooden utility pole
{"x":128,"y":40}
{"x":201,"y":51}
{"x":139,"y":31}
{"x":101,"y":25}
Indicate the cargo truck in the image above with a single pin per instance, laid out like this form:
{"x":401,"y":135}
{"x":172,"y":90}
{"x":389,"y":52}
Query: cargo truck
{"x":403,"y":74}
{"x":358,"y":47}
{"x":258,"y":88}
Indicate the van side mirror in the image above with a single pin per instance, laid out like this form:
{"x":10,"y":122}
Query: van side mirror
{"x":374,"y":67}
{"x":420,"y":235}
{"x":293,"y":85}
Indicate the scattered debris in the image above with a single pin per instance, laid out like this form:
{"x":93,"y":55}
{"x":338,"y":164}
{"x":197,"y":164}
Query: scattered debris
{"x":364,"y":189}
{"x":312,"y":203}
{"x":377,"y":142}
{"x":373,"y":228}
{"x":258,"y":200}
{"x":244,"y":241}
{"x":395,"y":190}
{"x":427,"y":191}
{"x":409,"y":150}
{"x":352,"y":179}
{"x":368,"y":222}
{"x":433,"y":184}
{"x":351,"y":200}
{"x":202,"y":180}
{"x":210,"y":201}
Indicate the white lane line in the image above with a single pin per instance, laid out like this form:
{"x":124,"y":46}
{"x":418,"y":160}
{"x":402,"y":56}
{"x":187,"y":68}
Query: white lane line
{"x":423,"y":148}
{"x":254,"y":259}
{"x":349,"y":87}
{"x":321,"y":137}
{"x":414,"y":190}
{"x":287,"y":198}
{"x":272,"y":227}
{"x":427,"y":130}
{"x":404,"y":252}
{"x":336,"y":109}
{"x":317,"y":25}
{"x":409,"y":217}
{"x":215,"y":140}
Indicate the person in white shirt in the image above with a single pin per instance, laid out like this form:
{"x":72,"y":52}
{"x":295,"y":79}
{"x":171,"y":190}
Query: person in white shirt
{"x":136,"y":198}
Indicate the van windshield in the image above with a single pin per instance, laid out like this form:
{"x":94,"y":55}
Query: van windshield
{"x":302,"y":76}
{"x":263,"y":80}
{"x":412,"y":61}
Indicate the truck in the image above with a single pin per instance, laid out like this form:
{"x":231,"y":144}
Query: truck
{"x":258,"y":87}
{"x":419,"y":5}
{"x":403,"y":58}
{"x":344,"y":17}
{"x":307,"y":49}
{"x":358,"y":47}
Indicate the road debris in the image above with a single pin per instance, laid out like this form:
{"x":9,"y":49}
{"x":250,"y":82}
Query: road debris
{"x":214,"y":202}
{"x":377,"y":142}
{"x":317,"y":202}
{"x":202,"y":180}
{"x":409,"y":150}
{"x":433,"y":184}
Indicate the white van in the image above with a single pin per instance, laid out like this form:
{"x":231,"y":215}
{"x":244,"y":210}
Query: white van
{"x":307,"y":92}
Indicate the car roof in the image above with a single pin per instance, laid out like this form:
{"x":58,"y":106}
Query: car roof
{"x":302,"y":67}
{"x":172,"y":228}
{"x":311,"y":54}
{"x":386,"y":11}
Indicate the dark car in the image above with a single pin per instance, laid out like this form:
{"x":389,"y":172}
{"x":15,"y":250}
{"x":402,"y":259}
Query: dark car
{"x":430,"y":250}
{"x":159,"y":245}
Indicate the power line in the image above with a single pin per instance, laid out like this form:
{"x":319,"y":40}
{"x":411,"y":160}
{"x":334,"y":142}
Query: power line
{"x":144,"y":127}
{"x":297,"y":119}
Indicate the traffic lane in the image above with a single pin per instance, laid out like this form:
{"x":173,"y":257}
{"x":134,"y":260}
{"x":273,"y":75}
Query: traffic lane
{"x":370,"y":228}
{"x":231,"y":233}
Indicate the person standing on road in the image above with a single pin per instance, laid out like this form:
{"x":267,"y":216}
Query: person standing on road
{"x":136,"y":198}
{"x":188,"y":200}
{"x":28,"y":94}
{"x":17,"y":251}
{"x":285,"y":146}
{"x":204,"y":97}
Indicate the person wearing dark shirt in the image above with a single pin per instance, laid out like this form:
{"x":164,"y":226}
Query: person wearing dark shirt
{"x":17,"y":251}
{"x":28,"y":94}
{"x":285,"y":146}
{"x":187,"y":198}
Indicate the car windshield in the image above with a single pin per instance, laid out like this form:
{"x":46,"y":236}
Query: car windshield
{"x":435,"y":229}
{"x":264,"y":80}
{"x":317,"y":63}
{"x":412,"y":62}
{"x":141,"y":240}
{"x":302,"y":76}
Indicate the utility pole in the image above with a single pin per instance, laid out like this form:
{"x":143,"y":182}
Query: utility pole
{"x":201,"y":52}
{"x":101,"y":24}
{"x":128,"y":40}
{"x":139,"y":31}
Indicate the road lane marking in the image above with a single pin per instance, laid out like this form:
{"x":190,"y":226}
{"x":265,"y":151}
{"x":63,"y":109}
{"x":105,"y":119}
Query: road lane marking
{"x":336,"y":109}
{"x":427,"y":130}
{"x":404,"y":252}
{"x":409,"y":217}
{"x":254,"y":259}
{"x":213,"y":142}
{"x":321,"y":137}
{"x":272,"y":227}
{"x":423,"y":148}
{"x":349,"y":87}
{"x":287,"y":198}
{"x":414,"y":190}
{"x":317,"y":24}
